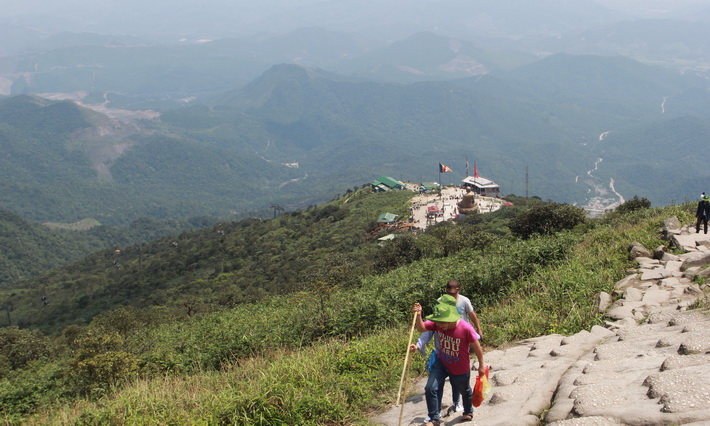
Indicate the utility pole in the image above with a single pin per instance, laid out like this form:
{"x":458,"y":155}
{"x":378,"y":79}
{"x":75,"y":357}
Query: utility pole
{"x":9,"y":307}
{"x":140,"y":256}
{"x":526,"y":183}
{"x":276,"y":207}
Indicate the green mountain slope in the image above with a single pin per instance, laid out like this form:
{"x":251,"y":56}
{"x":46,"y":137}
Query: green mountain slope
{"x":547,"y":115}
{"x":29,"y":249}
{"x":328,"y":353}
{"x":66,"y":163}
{"x":220,"y":266}
{"x":298,"y":136}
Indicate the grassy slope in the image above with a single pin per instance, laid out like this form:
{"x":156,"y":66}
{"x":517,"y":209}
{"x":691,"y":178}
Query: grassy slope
{"x":338,"y":381}
{"x":249,"y":260}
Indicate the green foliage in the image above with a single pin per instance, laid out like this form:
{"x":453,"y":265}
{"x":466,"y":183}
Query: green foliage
{"x":325,"y":352}
{"x":103,"y":370}
{"x":633,"y":204}
{"x":331,"y":383}
{"x":547,"y":219}
{"x":30,"y":249}
{"x":100,"y":362}
{"x":593,"y":265}
{"x":20,"y":347}
{"x":23,"y":391}
{"x":402,"y":250}
{"x":220,"y":266}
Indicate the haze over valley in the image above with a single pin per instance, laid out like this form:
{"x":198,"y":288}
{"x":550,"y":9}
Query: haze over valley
{"x":221,"y":108}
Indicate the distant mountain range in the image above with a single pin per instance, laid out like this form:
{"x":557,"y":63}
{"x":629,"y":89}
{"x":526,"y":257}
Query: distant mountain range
{"x":298,"y":136}
{"x":662,"y":41}
{"x":140,"y":72}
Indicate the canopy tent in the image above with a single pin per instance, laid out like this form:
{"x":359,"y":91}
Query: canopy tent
{"x":387,"y":218}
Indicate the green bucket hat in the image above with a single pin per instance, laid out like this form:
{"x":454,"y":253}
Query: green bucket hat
{"x":448,"y":299}
{"x":444,"y":311}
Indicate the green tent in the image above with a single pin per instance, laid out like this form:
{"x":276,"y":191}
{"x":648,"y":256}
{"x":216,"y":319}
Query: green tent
{"x":387,"y":218}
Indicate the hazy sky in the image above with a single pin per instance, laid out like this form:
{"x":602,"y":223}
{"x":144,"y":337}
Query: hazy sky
{"x":242,"y":12}
{"x":265,"y":7}
{"x":383,"y":20}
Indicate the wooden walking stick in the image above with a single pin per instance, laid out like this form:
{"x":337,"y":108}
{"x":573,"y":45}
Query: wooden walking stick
{"x":406,"y":382}
{"x":406,"y":359}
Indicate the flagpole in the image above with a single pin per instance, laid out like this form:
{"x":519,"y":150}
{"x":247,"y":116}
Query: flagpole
{"x":439,"y":179}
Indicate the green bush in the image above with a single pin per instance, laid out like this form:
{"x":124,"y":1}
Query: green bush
{"x":23,"y":391}
{"x":104,"y":370}
{"x":100,"y":362}
{"x":547,"y":219}
{"x":18,"y":347}
{"x":633,"y":204}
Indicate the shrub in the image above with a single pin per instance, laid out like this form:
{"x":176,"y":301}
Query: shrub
{"x":547,"y":219}
{"x":403,"y":250}
{"x":23,"y":391}
{"x":105,"y":370}
{"x":18,"y":347}
{"x":100,"y":361}
{"x":635,"y":203}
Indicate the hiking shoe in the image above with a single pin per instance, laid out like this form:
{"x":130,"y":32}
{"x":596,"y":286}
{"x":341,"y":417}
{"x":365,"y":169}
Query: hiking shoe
{"x":459,"y":407}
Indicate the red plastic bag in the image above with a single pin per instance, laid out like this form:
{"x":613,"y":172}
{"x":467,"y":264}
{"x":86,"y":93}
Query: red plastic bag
{"x":481,"y":390}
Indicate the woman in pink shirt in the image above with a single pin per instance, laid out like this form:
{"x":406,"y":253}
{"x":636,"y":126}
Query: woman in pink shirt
{"x":456,"y":338}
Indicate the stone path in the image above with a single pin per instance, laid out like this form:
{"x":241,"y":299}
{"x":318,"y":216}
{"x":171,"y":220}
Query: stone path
{"x":649,"y":365}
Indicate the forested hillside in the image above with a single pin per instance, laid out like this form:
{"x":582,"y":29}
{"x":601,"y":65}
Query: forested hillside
{"x":341,"y":324}
{"x":28,"y":249}
{"x":213,"y":268}
{"x":298,"y":136}
{"x":65,"y":163}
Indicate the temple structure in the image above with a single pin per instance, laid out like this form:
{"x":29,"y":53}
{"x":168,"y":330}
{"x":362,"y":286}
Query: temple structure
{"x":482,"y":186}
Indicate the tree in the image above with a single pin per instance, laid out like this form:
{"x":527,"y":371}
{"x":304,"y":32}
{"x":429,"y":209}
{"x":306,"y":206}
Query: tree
{"x":633,"y":204}
{"x":19,"y":346}
{"x":547,"y":219}
{"x":402,"y":250}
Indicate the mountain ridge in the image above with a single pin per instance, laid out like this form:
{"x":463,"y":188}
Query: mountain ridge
{"x":243,"y":146}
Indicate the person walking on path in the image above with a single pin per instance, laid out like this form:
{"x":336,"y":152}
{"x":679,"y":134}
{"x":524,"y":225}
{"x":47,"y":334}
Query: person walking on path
{"x":702,"y":213}
{"x":456,"y":339}
{"x":468,"y":314}
{"x":463,"y":305}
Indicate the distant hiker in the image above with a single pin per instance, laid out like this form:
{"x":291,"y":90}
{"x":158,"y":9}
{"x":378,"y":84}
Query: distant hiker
{"x":468,"y":314}
{"x":702,"y":213}
{"x":463,"y":305}
{"x":453,"y":360}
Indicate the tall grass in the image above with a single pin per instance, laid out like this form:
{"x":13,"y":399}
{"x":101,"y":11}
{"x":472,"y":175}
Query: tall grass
{"x":339,"y":355}
{"x":336,"y":382}
{"x":559,"y":299}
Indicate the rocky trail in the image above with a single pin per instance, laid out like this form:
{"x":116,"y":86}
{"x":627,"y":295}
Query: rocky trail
{"x":648,"y":365}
